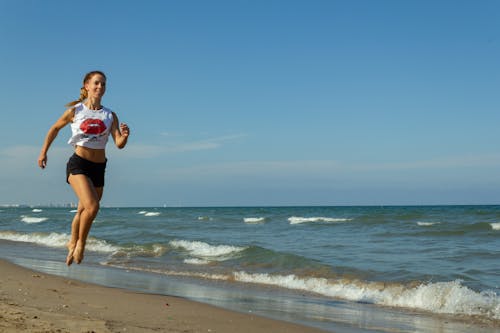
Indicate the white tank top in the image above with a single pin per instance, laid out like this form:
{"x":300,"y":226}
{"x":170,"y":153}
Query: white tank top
{"x":91,"y":128}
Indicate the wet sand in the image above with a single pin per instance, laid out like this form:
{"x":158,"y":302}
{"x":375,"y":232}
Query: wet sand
{"x":31,"y":301}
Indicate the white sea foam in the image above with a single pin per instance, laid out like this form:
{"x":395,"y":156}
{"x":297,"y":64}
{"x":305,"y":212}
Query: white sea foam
{"x":29,"y":219}
{"x":146,"y":213}
{"x":52,"y":240}
{"x":152,"y":214}
{"x":299,"y":220}
{"x":73,"y":211}
{"x":36,"y":210}
{"x":254,"y":219}
{"x":495,"y":226}
{"x":426,"y":224}
{"x":202,"y":250}
{"x":140,"y":251}
{"x":441,"y":297}
{"x":173,"y":273}
{"x":196,"y":261}
{"x":204,"y":218}
{"x":99,"y":245}
{"x":57,"y":240}
{"x":159,"y":250}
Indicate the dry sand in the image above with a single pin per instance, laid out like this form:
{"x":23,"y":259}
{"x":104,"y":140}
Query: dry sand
{"x":38,"y":302}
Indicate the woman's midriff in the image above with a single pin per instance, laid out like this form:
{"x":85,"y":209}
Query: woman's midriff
{"x":93,"y":155}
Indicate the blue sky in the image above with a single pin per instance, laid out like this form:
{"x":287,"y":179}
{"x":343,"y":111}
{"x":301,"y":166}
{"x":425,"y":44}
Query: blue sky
{"x":260,"y":102}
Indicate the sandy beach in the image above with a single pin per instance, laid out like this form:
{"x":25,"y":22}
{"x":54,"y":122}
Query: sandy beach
{"x":39,"y":302}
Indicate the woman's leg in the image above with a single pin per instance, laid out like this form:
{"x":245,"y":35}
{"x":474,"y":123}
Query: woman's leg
{"x":75,"y":227}
{"x":88,"y":207}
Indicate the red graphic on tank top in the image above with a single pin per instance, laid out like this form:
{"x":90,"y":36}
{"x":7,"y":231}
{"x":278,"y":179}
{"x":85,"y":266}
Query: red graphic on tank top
{"x":93,"y":126}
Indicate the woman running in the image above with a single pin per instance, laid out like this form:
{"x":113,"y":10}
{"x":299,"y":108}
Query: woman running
{"x":91,"y":125}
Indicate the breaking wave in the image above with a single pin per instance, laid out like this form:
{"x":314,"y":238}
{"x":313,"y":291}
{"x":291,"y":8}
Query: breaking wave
{"x":439,"y":297}
{"x":426,"y":224}
{"x":56,"y":240}
{"x":450,"y":298}
{"x":299,"y":220}
{"x":254,"y":220}
{"x":30,"y":220}
{"x":145,"y":213}
{"x":207,"y":252}
{"x":495,"y":226}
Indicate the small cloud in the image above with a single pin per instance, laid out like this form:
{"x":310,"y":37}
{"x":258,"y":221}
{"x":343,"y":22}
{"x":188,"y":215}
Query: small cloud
{"x":191,"y":146}
{"x":206,"y":144}
{"x":169,"y":134}
{"x":327,"y":170}
{"x":23,"y":153}
{"x":149,"y":151}
{"x":447,"y":162}
{"x":19,"y":151}
{"x":243,"y":170}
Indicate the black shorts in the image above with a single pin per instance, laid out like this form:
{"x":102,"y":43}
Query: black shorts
{"x":80,"y":166}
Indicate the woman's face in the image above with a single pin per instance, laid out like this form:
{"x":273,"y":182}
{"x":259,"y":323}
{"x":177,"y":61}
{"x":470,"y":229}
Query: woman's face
{"x":96,"y":86}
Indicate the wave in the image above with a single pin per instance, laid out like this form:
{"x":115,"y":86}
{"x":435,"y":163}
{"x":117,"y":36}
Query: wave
{"x":439,"y":297}
{"x":145,"y":213}
{"x":299,"y":220}
{"x":254,"y":219}
{"x":36,"y":210}
{"x":201,"y":275}
{"x":479,"y":226}
{"x":495,"y":226}
{"x":457,"y":230}
{"x":152,"y":214}
{"x":196,"y":261}
{"x":426,"y":224}
{"x":204,"y":251}
{"x":204,"y":218}
{"x":451,"y":298}
{"x":57,"y":240}
{"x":29,"y":219}
{"x":199,"y":253}
{"x":146,"y":250}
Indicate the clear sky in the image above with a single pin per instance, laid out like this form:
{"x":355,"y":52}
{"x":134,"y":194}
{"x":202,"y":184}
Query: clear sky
{"x":260,"y":102}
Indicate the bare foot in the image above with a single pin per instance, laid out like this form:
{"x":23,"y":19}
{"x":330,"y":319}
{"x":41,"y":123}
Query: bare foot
{"x":78,"y":252}
{"x":71,"y":250}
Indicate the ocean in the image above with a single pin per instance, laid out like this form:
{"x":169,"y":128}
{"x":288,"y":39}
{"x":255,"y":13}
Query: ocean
{"x":343,"y":269}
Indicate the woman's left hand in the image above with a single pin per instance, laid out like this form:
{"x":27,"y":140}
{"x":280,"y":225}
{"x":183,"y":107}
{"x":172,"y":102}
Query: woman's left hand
{"x":125,"y":131}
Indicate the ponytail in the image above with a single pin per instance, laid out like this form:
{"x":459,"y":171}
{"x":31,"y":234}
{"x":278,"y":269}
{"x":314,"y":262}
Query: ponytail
{"x":83,"y":91}
{"x":83,"y":96}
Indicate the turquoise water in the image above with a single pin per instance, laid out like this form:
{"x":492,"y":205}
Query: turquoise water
{"x":441,"y":262}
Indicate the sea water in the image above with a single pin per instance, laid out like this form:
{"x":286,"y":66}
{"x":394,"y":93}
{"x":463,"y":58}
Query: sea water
{"x":348,"y":269}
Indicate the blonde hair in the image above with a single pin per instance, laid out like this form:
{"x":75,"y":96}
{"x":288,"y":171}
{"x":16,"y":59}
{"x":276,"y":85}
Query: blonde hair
{"x":83,"y":91}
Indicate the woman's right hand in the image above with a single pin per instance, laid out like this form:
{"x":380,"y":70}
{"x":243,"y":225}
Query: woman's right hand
{"x":42,"y":161}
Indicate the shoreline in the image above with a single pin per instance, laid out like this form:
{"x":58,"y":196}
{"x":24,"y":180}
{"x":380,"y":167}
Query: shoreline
{"x":32,"y":302}
{"x":216,"y":257}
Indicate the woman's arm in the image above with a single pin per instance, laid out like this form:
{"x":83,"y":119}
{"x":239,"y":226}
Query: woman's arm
{"x":119,"y":132}
{"x":65,"y":119}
